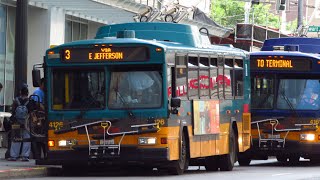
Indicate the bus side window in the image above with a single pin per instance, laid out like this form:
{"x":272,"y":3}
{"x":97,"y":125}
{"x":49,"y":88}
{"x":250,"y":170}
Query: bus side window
{"x":193,"y":80}
{"x":227,"y":77}
{"x":220,"y":77}
{"x":213,"y":78}
{"x":204,"y":78}
{"x":181,"y":74}
{"x":238,"y":77}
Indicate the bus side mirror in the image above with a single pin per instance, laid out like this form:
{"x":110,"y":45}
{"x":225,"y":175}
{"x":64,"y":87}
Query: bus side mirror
{"x":175,"y":102}
{"x":36,"y":77}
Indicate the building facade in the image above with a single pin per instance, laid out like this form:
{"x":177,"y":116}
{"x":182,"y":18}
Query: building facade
{"x":49,"y":24}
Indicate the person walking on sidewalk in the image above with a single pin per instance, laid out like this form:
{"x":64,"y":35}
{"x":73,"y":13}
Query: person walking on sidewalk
{"x":20,"y":113}
{"x":39,"y":146}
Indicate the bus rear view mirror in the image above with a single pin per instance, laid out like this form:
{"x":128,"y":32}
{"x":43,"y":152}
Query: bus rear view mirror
{"x":175,"y":102}
{"x":36,"y":77}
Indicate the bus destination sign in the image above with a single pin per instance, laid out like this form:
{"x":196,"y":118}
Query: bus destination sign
{"x":275,"y":63}
{"x":103,"y":54}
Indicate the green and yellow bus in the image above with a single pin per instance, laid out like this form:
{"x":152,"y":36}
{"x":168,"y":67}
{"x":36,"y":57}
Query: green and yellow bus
{"x":154,"y":94}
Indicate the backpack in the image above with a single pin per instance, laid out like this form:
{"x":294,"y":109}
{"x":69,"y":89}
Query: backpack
{"x":21,"y":112}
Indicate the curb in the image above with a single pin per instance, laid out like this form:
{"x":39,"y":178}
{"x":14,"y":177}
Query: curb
{"x":23,"y":172}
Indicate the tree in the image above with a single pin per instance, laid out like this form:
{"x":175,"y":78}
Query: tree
{"x":230,"y":12}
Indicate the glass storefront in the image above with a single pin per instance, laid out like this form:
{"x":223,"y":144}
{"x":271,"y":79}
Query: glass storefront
{"x":7,"y":36}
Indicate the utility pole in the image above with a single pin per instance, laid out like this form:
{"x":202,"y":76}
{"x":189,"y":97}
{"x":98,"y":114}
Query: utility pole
{"x":300,"y":14}
{"x":247,"y":8}
{"x":21,"y":45}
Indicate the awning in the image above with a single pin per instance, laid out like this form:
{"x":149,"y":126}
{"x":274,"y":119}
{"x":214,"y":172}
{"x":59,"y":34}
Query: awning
{"x":88,"y":9}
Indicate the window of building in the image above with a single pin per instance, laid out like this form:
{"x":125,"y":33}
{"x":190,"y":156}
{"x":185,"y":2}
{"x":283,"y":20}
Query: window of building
{"x":7,"y":41}
{"x":75,"y":29}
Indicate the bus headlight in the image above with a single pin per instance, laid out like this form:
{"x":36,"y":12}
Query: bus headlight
{"x":65,"y":143}
{"x":307,"y":137}
{"x":147,"y":140}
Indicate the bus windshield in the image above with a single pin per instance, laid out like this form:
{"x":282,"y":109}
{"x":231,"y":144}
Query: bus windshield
{"x":78,"y":89}
{"x":135,"y":89}
{"x":300,"y":94}
{"x":262,"y":92}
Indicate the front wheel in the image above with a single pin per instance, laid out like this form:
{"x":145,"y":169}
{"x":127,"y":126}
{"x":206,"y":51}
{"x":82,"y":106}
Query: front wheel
{"x":281,"y":158}
{"x":244,"y":161}
{"x":227,"y":161}
{"x":178,"y":167}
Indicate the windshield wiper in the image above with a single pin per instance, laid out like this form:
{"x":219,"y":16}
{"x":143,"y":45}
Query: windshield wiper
{"x":289,"y":103}
{"x":126,"y":104}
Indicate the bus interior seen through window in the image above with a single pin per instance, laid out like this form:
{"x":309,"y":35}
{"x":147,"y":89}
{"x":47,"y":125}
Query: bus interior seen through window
{"x":78,"y":89}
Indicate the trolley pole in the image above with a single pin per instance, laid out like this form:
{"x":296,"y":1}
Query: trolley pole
{"x":21,"y":44}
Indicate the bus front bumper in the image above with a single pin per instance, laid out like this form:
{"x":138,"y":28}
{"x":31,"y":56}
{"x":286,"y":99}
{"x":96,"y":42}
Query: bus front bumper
{"x":304,"y":149}
{"x":128,"y":155}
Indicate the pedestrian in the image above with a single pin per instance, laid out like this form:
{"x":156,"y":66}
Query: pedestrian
{"x":38,"y":145}
{"x":39,"y":92}
{"x":20,"y":112}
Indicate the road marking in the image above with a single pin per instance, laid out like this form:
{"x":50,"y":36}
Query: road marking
{"x":282,"y":174}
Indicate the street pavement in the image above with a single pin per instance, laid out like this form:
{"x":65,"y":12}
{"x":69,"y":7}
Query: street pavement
{"x":19,"y":169}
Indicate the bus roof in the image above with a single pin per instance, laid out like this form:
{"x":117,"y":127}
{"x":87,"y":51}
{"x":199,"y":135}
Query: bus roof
{"x":161,"y":31}
{"x":167,"y":45}
{"x":306,"y":45}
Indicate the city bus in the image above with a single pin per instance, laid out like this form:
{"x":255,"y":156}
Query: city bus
{"x":285,"y":87}
{"x":158,"y":95}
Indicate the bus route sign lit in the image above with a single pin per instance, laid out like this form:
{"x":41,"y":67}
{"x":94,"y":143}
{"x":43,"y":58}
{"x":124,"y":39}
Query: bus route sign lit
{"x":103,"y":54}
{"x":275,"y":63}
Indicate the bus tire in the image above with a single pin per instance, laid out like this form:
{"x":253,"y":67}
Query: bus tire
{"x":178,"y":167}
{"x":281,"y":158}
{"x":211,"y":163}
{"x":227,"y":161}
{"x":244,"y":161}
{"x":294,"y":159}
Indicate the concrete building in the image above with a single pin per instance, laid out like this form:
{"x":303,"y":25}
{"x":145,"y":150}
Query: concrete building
{"x":53,"y":22}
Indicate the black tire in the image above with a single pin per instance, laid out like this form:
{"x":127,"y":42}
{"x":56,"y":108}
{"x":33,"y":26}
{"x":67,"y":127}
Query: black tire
{"x":178,"y":167}
{"x":294,"y":160}
{"x":227,"y":161}
{"x":282,"y":159}
{"x":244,"y":161}
{"x":211,"y":163}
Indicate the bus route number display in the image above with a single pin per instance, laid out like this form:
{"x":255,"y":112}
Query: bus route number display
{"x":104,"y":54}
{"x":281,"y":64}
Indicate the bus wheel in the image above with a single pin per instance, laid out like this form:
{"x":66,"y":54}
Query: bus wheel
{"x":294,"y":159}
{"x":244,"y":161}
{"x":178,"y":167}
{"x":211,"y":163}
{"x":281,"y":158}
{"x":227,"y":161}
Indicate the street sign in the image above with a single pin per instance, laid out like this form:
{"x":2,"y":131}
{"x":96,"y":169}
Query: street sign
{"x":314,"y":29}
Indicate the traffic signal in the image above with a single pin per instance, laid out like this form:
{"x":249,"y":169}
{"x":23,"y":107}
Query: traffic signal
{"x":281,"y":5}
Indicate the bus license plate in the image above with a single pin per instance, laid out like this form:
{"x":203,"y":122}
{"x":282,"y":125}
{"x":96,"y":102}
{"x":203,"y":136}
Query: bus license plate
{"x":107,"y":141}
{"x":275,"y":136}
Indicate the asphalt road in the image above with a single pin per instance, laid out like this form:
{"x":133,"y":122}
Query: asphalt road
{"x":262,"y":170}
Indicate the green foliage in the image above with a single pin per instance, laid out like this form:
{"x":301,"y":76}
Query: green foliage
{"x":230,"y":12}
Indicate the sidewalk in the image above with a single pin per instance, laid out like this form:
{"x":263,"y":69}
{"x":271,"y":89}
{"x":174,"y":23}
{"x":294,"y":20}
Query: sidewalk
{"x":19,"y":169}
